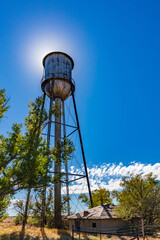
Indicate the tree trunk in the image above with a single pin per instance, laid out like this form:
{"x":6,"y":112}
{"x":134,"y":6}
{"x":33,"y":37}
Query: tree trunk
{"x":143,"y":234}
{"x":25,"y":215}
{"x":43,"y":213}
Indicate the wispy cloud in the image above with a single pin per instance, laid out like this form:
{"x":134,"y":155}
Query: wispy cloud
{"x":109,"y":176}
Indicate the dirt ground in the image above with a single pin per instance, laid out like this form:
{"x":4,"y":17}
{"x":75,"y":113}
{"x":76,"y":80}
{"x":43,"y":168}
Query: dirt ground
{"x":8,"y":231}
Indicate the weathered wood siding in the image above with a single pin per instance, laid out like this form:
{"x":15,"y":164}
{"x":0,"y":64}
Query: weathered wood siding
{"x":103,"y":224}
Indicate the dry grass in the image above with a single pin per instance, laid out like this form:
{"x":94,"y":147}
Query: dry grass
{"x":32,"y":232}
{"x":104,"y":237}
{"x":8,"y":231}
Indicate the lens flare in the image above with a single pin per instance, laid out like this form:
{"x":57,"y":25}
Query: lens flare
{"x":40,"y":46}
{"x":38,"y":41}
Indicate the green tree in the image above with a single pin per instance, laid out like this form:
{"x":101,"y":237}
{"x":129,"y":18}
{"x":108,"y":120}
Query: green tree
{"x":34,"y":156}
{"x":140,"y":198}
{"x":19,"y":207}
{"x":25,"y":159}
{"x":36,"y":208}
{"x":3,"y":207}
{"x":3,"y":103}
{"x":99,"y":197}
{"x":10,"y":148}
{"x":23,"y":156}
{"x":9,"y":151}
{"x":5,"y":160}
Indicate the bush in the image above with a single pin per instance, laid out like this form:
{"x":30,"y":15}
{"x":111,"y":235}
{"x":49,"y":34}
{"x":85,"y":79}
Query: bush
{"x":18,"y":220}
{"x":33,"y":221}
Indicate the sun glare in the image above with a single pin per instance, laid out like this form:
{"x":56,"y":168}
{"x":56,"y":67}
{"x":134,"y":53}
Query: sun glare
{"x":38,"y":48}
{"x":36,"y":44}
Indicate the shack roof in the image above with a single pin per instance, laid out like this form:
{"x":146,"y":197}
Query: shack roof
{"x":104,"y":211}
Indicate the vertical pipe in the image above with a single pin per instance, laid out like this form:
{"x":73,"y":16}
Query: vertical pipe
{"x":48,"y":146}
{"x":57,"y":167}
{"x":66,"y":163}
{"x":84,"y":159}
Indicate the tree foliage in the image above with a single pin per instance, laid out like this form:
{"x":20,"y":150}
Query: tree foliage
{"x":36,"y":208}
{"x":99,"y":197}
{"x":34,"y":154}
{"x":25,"y":159}
{"x":140,"y":198}
{"x":19,"y":207}
{"x":22,"y":156}
{"x":4,"y":203}
{"x":10,"y":172}
{"x":3,"y":103}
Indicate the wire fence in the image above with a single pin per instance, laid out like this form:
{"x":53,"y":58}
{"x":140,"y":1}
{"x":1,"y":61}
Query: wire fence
{"x":131,"y":231}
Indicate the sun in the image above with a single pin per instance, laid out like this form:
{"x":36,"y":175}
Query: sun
{"x":37,"y":51}
{"x":39,"y":46}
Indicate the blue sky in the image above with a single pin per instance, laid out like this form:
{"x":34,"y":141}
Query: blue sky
{"x":115,"y":46}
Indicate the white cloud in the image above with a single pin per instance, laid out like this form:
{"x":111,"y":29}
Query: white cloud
{"x":109,"y":175}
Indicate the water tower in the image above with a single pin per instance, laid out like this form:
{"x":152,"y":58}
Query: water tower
{"x":58,"y":85}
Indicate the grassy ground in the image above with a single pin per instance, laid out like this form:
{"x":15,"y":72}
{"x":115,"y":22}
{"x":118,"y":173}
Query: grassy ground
{"x":8,"y":231}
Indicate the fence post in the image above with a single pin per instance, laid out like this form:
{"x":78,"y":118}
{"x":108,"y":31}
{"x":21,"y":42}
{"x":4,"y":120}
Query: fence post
{"x":72,"y":232}
{"x":138,"y":232}
{"x":100,"y":234}
{"x":143,"y":231}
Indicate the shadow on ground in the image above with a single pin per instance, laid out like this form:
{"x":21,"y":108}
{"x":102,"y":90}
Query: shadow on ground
{"x":44,"y":236}
{"x":63,"y":235}
{"x":16,"y":236}
{"x":121,"y":238}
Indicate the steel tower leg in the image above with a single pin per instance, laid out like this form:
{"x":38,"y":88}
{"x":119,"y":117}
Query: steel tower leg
{"x":57,"y":168}
{"x":84,"y":159}
{"x":66,"y":163}
{"x":41,"y":112}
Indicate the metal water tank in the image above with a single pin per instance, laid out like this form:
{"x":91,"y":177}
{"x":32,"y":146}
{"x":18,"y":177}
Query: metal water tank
{"x":57,"y":79}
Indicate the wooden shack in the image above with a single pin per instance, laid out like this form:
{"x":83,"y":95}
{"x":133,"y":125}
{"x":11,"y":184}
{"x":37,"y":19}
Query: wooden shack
{"x":101,"y":218}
